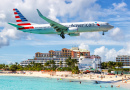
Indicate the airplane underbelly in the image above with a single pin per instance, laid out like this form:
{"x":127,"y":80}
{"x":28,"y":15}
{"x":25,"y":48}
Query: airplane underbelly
{"x":40,"y":31}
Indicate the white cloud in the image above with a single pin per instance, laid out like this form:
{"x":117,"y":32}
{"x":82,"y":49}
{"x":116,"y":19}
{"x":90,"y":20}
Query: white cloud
{"x":120,"y":6}
{"x":11,"y":34}
{"x":83,"y":46}
{"x":91,"y":35}
{"x":111,"y":54}
{"x":2,"y":16}
{"x":117,"y":34}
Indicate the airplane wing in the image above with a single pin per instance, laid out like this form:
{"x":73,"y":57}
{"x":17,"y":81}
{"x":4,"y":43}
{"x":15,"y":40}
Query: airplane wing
{"x":59,"y":27}
{"x":17,"y":26}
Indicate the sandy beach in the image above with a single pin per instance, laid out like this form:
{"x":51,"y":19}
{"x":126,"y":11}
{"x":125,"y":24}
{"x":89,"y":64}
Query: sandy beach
{"x":115,"y":80}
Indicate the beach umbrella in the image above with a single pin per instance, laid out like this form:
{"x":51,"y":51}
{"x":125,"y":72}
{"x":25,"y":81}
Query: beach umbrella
{"x":87,"y":71}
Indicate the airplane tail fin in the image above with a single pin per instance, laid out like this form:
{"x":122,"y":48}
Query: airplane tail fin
{"x":20,"y":19}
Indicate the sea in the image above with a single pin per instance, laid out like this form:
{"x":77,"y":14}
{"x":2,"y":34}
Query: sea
{"x":40,"y":83}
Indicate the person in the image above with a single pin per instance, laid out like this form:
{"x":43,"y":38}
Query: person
{"x":100,"y":86}
{"x":111,"y":86}
{"x":80,"y":82}
{"x":116,"y":76}
{"x":122,"y":79}
{"x":96,"y":82}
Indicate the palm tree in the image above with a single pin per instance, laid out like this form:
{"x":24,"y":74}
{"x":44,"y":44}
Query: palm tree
{"x":119,"y":64}
{"x":52,"y":62}
{"x":47,"y":64}
{"x":71,"y":62}
{"x":16,"y":63}
{"x":75,"y":70}
{"x":60,"y":63}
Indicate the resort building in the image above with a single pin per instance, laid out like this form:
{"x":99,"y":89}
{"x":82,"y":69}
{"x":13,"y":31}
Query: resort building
{"x":58,"y":56}
{"x":125,"y":59}
{"x":92,"y":62}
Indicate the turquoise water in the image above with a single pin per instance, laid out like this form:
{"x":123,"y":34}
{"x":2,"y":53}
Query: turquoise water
{"x":38,"y":83}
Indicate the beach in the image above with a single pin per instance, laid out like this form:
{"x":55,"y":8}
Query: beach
{"x":115,"y":80}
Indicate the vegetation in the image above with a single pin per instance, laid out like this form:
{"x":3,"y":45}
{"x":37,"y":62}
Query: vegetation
{"x":49,"y":65}
{"x":112,"y":66}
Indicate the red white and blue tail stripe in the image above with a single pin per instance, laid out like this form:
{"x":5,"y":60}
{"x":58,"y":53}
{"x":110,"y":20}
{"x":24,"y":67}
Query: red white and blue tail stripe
{"x":19,"y":17}
{"x":21,"y":20}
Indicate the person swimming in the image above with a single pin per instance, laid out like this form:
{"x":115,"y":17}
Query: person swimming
{"x":96,"y":82}
{"x":100,"y":86}
{"x":80,"y":82}
{"x":111,"y":86}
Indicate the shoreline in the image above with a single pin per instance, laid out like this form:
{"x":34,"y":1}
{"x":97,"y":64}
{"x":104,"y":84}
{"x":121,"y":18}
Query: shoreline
{"x":92,"y":77}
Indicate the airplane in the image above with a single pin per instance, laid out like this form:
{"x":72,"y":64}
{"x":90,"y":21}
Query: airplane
{"x":72,"y":29}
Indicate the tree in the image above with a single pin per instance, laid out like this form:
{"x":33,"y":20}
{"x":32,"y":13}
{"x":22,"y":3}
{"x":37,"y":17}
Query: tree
{"x":60,"y":63}
{"x":52,"y":62}
{"x":71,"y":62}
{"x":16,"y":63}
{"x":104,"y":65}
{"x":75,"y":70}
{"x":13,"y":67}
{"x":119,"y":64}
{"x":47,"y":64}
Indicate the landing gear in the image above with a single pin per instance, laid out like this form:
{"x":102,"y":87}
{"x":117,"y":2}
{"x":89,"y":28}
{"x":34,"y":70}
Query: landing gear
{"x":103,"y":33}
{"x":62,"y":35}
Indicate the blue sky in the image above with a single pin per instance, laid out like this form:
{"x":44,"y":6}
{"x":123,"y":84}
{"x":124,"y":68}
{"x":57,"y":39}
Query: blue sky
{"x":16,"y":46}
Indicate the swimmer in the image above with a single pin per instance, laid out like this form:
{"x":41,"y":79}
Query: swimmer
{"x":111,"y":86}
{"x":80,"y":82}
{"x":96,"y":82}
{"x":57,"y":79}
{"x":100,"y":86}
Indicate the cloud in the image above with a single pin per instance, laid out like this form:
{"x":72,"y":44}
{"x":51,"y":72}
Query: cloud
{"x":2,"y":16}
{"x":111,"y":54}
{"x":11,"y":34}
{"x":117,"y":34}
{"x":120,"y":6}
{"x":91,"y":35}
{"x":83,"y":46}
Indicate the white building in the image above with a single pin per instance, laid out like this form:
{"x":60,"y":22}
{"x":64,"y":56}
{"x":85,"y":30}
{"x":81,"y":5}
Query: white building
{"x":43,"y":60}
{"x":94,"y":62}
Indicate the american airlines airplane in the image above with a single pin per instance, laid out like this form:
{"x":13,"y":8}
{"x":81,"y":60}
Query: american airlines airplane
{"x":72,"y":29}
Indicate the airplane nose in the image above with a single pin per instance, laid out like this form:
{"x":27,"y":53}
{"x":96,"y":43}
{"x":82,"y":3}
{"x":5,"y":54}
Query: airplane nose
{"x":111,"y":27}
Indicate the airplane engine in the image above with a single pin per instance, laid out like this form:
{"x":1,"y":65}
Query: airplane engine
{"x":74,"y":34}
{"x":72,"y":29}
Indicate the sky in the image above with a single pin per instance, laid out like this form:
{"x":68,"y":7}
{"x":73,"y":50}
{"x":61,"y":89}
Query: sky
{"x":16,"y":46}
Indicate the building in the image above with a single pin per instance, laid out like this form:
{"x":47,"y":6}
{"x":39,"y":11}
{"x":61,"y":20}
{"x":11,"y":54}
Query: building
{"x":92,"y":62}
{"x":125,"y":59}
{"x":43,"y":60}
{"x":57,"y":56}
{"x":76,"y":52}
{"x":63,"y":54}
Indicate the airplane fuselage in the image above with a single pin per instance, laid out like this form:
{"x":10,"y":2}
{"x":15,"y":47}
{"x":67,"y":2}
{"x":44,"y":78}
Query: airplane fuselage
{"x":81,"y":27}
